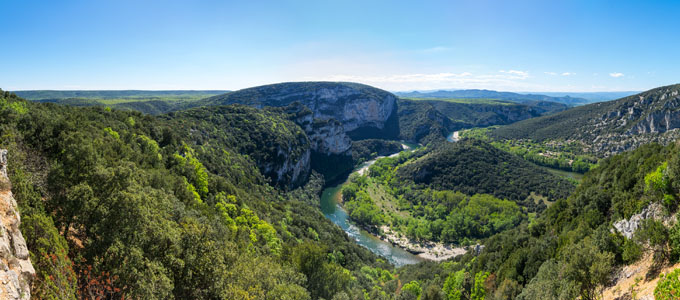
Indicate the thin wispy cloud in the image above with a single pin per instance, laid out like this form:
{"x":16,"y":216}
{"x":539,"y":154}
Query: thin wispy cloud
{"x":509,"y":80}
{"x":562,"y":74}
{"x":436,"y":49}
{"x":616,"y":75}
{"x":522,"y":74}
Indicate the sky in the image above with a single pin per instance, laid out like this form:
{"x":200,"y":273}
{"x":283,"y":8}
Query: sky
{"x":509,"y":45}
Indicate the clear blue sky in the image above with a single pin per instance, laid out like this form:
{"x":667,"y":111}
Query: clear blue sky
{"x":542,"y":45}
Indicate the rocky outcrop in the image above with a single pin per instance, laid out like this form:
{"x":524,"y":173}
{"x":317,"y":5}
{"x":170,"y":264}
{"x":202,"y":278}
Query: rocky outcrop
{"x":290,"y":171}
{"x":330,"y":145}
{"x":16,"y":270}
{"x":666,"y":118}
{"x":627,"y":227}
{"x":356,"y":106}
{"x":326,"y":136}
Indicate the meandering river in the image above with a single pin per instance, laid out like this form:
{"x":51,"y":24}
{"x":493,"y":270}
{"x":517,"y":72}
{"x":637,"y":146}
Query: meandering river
{"x":330,"y":206}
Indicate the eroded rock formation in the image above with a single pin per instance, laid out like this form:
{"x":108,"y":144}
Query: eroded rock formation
{"x":16,"y":270}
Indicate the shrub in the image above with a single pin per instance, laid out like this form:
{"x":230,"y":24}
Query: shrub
{"x":668,"y":287}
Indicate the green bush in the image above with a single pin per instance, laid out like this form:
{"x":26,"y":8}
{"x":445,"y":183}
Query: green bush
{"x":632,"y":251}
{"x":668,"y":287}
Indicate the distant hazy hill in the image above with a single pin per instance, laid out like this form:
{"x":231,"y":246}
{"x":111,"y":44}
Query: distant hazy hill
{"x":149,"y":102}
{"x":113,"y":94}
{"x":593,"y":96}
{"x":488,"y":94}
{"x":608,"y":127}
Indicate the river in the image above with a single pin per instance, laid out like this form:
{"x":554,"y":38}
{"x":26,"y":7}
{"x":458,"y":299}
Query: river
{"x":330,"y":206}
{"x":453,"y":137}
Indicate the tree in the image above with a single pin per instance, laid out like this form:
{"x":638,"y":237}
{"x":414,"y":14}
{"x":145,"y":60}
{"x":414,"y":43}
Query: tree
{"x":453,"y":285}
{"x":478,"y":290}
{"x":587,"y":266}
{"x":324,"y":278}
{"x":413,"y":287}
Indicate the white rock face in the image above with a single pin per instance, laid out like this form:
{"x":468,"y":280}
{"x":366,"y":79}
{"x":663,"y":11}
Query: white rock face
{"x":290,"y":171}
{"x":628,"y":227}
{"x":325,"y":136}
{"x":16,"y":270}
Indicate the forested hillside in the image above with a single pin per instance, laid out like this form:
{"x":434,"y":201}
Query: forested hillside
{"x":572,"y":249}
{"x":473,"y":166}
{"x":454,"y":193}
{"x":222,"y":202}
{"x":118,"y":204}
{"x":427,"y":120}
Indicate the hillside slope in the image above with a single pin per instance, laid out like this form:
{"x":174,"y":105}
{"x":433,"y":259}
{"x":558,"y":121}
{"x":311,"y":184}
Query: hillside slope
{"x":608,"y":127}
{"x":475,"y":167}
{"x":429,"y":120}
{"x":118,"y":204}
{"x":573,"y":249}
{"x":279,"y":147}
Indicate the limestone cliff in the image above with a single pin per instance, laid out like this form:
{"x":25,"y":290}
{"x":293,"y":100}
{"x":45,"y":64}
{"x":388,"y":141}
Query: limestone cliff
{"x":326,"y":136}
{"x":16,"y":270}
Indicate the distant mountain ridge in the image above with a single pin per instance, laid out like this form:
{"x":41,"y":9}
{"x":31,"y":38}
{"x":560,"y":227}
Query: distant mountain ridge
{"x":35,"y":95}
{"x":489,"y":94}
{"x":592,"y":96}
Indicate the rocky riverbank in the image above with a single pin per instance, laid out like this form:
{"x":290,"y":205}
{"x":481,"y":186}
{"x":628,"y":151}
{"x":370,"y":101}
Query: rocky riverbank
{"x":428,"y":250}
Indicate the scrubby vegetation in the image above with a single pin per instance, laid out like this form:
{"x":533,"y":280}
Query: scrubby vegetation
{"x":452,"y":204}
{"x":371,"y":148}
{"x":570,"y":250}
{"x":119,"y":204}
{"x":562,"y":155}
{"x":605,"y":128}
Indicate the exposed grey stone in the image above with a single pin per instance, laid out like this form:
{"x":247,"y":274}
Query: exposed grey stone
{"x":3,"y":164}
{"x":5,"y":250}
{"x":27,"y":270}
{"x":627,"y":227}
{"x":20,"y":249}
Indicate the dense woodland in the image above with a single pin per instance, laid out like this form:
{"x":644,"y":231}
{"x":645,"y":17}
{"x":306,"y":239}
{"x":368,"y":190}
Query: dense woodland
{"x":442,"y":193}
{"x":562,"y":155}
{"x":368,"y":149}
{"x":473,"y":166}
{"x":120,"y":204}
{"x":569,"y":251}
